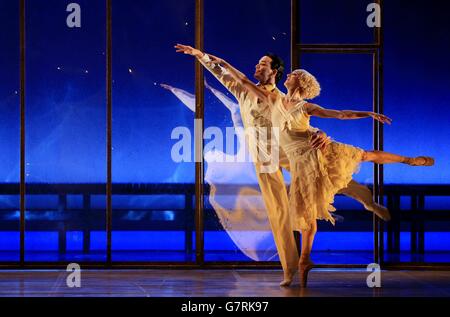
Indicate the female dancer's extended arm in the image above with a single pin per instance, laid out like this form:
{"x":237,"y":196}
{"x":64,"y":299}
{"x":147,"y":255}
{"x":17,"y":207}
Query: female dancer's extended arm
{"x":318,"y":111}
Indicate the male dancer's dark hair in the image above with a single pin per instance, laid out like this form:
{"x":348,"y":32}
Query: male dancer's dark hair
{"x":277,"y":64}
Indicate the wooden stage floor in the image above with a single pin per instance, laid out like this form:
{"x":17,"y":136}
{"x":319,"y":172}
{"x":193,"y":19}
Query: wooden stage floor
{"x":221,"y":283}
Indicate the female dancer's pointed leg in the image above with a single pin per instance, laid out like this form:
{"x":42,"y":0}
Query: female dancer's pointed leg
{"x":305,"y":264}
{"x":381,"y":157}
{"x":363,"y":194}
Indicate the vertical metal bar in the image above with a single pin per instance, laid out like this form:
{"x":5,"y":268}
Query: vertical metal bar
{"x":397,"y":224}
{"x":375,"y":146}
{"x":62,"y":229}
{"x":413,"y":230}
{"x":377,"y":140}
{"x":380,"y":41}
{"x":295,"y":33}
{"x":376,"y":33}
{"x":108,"y":132}
{"x":421,"y":225}
{"x":199,"y":126}
{"x":188,"y":213}
{"x":87,"y":215}
{"x":390,"y":234}
{"x":22,"y":131}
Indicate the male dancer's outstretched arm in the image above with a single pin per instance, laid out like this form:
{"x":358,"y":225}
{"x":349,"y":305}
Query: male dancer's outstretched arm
{"x":212,"y":63}
{"x":218,"y":71}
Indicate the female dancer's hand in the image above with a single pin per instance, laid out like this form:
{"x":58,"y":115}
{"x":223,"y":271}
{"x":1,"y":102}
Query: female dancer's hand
{"x":320,"y":140}
{"x":380,"y":117}
{"x":186,"y":49}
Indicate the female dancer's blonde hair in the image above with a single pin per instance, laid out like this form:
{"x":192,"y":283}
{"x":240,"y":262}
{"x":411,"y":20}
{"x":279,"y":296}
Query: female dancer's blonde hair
{"x":310,"y":87}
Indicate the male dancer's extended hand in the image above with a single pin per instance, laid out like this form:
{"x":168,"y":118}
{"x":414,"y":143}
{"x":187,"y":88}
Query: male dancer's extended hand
{"x":186,"y":49}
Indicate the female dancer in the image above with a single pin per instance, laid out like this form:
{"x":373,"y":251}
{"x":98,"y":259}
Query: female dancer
{"x":316,"y":175}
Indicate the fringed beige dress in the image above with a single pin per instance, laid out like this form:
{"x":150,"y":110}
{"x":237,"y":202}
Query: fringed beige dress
{"x":316,"y":175}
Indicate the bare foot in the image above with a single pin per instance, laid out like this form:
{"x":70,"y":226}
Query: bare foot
{"x":379,"y":210}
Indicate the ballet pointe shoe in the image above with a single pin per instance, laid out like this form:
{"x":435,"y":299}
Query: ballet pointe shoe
{"x":303,"y":270}
{"x":379,"y":210}
{"x":287,"y":280}
{"x":420,"y":161}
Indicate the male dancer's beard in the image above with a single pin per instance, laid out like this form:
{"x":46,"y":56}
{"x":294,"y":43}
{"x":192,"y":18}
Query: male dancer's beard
{"x":260,"y":80}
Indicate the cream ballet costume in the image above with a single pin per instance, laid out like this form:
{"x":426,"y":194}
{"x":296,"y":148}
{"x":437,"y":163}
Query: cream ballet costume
{"x":316,"y":175}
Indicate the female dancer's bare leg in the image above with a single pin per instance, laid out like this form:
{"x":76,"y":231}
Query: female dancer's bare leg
{"x":381,"y":157}
{"x":305,"y":264}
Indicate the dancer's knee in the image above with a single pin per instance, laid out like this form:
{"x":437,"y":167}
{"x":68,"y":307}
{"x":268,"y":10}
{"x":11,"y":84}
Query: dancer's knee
{"x":314,"y":227}
{"x":312,"y":230}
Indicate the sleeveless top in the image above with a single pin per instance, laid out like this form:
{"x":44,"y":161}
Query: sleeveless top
{"x":294,"y":126}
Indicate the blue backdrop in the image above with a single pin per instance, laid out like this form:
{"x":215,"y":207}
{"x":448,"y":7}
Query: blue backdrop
{"x":65,"y":96}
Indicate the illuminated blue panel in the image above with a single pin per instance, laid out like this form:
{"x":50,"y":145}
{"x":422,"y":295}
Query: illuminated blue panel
{"x":65,"y":125}
{"x":144,"y":117}
{"x":9,"y":240}
{"x":41,"y":241}
{"x":74,"y":240}
{"x":148,"y":240}
{"x":65,"y":119}
{"x":334,"y":21}
{"x":437,"y":241}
